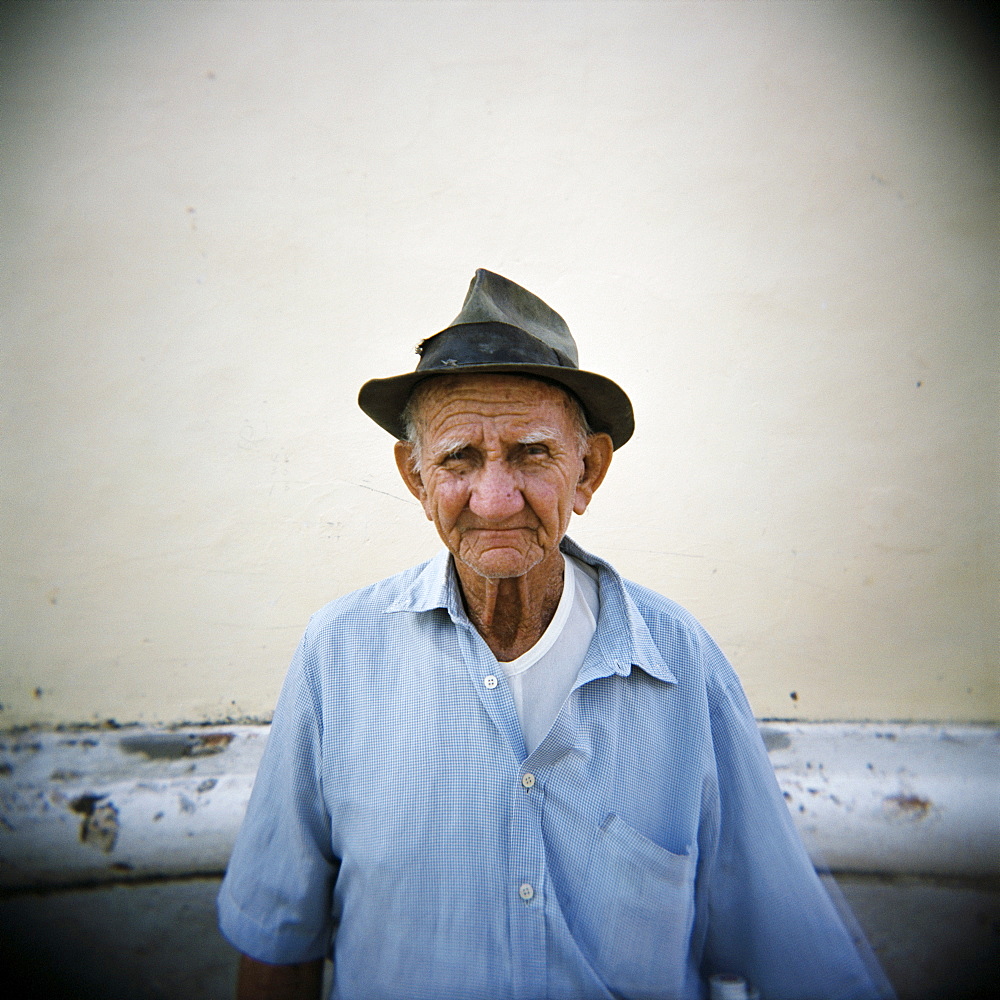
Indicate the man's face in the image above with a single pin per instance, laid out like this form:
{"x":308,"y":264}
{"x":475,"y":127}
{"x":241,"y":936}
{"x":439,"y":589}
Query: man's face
{"x":502,"y":469}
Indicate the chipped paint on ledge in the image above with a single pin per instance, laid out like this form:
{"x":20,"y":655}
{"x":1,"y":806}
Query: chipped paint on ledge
{"x":893,"y":799}
{"x":88,"y":806}
{"x":144,"y":803}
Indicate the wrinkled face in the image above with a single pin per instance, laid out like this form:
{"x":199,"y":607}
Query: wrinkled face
{"x":502,"y":468}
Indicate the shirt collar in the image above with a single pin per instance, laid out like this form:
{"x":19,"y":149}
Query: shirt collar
{"x":622,"y":631}
{"x":435,"y":586}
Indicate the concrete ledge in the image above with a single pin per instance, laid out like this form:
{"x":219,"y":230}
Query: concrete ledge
{"x":136,"y":803}
{"x":94,"y":806}
{"x":893,"y":799}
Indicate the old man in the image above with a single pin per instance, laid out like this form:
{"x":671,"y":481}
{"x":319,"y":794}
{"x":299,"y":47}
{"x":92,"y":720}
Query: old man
{"x":508,"y":772}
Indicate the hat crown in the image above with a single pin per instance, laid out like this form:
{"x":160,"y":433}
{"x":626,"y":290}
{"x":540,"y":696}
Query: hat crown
{"x":493,"y":298}
{"x":506,"y":330}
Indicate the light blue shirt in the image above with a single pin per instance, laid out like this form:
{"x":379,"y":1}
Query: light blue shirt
{"x":397,"y":824}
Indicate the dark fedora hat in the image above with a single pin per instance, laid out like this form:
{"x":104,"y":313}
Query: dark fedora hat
{"x":503,"y":328}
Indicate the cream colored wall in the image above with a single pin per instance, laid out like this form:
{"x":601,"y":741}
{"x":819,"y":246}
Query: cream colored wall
{"x":775,"y":224}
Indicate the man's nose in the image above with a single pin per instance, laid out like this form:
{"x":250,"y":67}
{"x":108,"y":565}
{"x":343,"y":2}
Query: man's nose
{"x":495,"y":494}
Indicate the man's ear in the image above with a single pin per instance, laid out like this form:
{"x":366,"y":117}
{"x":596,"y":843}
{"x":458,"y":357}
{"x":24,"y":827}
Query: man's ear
{"x":403,"y":452}
{"x":596,"y":461}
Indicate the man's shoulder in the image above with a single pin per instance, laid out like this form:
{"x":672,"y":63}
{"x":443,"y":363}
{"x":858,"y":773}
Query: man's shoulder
{"x":652,"y":603}
{"x":681,"y":639}
{"x":649,"y":602}
{"x":370,"y":601}
{"x":660,"y":634}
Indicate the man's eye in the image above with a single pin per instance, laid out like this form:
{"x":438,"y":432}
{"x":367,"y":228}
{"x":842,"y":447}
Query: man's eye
{"x":536,"y":449}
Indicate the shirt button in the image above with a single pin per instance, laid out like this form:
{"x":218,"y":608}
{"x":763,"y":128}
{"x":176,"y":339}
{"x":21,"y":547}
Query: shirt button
{"x":526,"y":891}
{"x":528,"y":780}
{"x":490,"y":681}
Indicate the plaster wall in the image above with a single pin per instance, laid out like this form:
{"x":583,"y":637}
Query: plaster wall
{"x":774,"y":224}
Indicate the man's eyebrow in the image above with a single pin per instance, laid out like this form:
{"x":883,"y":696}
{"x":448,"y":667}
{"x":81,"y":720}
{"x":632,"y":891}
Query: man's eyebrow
{"x":539,"y":435}
{"x":443,"y":449}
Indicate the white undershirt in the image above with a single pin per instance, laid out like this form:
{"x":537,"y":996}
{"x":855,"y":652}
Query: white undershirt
{"x":543,"y":677}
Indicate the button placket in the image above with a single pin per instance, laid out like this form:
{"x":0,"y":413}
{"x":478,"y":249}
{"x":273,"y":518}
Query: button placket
{"x":526,"y":871}
{"x":494,"y":696}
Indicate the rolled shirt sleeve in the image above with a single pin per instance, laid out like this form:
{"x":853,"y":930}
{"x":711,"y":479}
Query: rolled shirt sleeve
{"x":768,"y":916}
{"x":274,"y":904}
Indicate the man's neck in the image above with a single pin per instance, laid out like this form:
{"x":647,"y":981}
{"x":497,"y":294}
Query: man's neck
{"x":512,"y":613}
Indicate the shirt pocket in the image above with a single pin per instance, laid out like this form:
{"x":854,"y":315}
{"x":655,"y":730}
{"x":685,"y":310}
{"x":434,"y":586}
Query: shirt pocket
{"x":637,"y":912}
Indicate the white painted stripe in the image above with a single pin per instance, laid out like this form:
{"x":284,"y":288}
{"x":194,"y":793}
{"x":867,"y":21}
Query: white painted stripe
{"x":137,"y":803}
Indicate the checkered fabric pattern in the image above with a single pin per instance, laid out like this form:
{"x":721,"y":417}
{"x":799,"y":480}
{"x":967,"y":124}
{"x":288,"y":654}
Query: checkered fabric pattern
{"x":398,"y":825}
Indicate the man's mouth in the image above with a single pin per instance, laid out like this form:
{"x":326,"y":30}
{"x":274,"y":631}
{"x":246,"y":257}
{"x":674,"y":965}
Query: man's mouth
{"x":497,"y":531}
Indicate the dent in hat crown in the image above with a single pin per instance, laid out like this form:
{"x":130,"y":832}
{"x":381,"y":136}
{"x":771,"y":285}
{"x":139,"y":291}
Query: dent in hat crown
{"x":493,"y":298}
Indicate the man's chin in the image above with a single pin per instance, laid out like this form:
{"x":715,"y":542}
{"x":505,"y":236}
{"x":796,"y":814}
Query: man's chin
{"x":499,"y":565}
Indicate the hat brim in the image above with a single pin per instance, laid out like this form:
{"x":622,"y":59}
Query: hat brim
{"x":605,"y":403}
